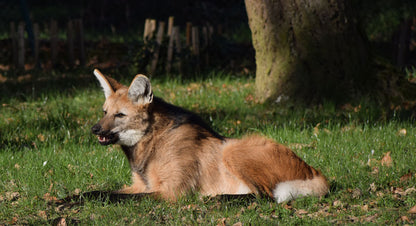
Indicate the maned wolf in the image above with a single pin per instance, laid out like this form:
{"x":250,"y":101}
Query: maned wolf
{"x":172,"y":152}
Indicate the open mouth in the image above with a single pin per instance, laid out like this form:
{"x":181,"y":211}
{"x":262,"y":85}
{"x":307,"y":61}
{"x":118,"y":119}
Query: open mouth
{"x":107,"y":139}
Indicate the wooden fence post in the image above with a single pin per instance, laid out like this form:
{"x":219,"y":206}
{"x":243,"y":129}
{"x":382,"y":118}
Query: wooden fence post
{"x":178,"y":47}
{"x":149,"y":29}
{"x":188,"y":33}
{"x":70,"y":39}
{"x":36,"y":44}
{"x":170,"y":51}
{"x":159,"y":39}
{"x":13,"y":37}
{"x":80,"y":31}
{"x":21,"y":46}
{"x":146,"y":30}
{"x":195,"y":45}
{"x":210,"y":33}
{"x":205,"y":45}
{"x":170,"y":25}
{"x":54,"y":41}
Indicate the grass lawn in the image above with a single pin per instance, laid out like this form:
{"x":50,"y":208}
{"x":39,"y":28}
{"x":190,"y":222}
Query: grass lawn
{"x":47,"y":152}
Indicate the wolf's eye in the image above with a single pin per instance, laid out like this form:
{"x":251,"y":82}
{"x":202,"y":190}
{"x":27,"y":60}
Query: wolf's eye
{"x":119,"y":115}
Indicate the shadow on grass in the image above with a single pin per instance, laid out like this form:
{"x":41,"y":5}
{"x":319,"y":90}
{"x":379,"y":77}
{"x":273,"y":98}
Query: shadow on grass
{"x":101,"y":196}
{"x":113,"y":197}
{"x":39,"y":84}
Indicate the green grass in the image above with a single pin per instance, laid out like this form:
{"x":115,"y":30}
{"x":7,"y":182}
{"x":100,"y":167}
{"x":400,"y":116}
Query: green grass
{"x":48,"y":152}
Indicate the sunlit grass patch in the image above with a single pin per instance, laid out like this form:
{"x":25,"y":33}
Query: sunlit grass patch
{"x":47,"y":152}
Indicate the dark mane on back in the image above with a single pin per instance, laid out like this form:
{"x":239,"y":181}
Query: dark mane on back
{"x":181,"y":116}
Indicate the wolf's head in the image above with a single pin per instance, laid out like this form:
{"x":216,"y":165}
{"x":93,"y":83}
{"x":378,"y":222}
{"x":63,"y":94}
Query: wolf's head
{"x":126,"y":110}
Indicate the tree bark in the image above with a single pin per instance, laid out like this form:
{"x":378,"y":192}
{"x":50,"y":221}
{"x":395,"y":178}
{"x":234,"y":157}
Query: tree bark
{"x":310,"y":50}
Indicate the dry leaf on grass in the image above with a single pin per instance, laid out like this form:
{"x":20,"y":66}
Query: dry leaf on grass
{"x":373,"y":187}
{"x":406,"y":219}
{"x":364,"y":208}
{"x":301,"y":211}
{"x":13,"y":221}
{"x":316,"y":129}
{"x":386,"y":160}
{"x":402,"y":132}
{"x":357,"y":193}
{"x":299,"y":146}
{"x":42,"y":214}
{"x":336,"y":203}
{"x":370,"y":218}
{"x":404,"y":193}
{"x":406,"y":177}
{"x":41,"y":137}
{"x":222,"y":222}
{"x":12,"y":196}
{"x":48,"y":197}
{"x":412,"y":210}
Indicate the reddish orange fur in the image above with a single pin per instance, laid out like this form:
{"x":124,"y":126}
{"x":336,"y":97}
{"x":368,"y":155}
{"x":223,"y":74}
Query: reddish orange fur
{"x":262,"y":163}
{"x":176,"y":153}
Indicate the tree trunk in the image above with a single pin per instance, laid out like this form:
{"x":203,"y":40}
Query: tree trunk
{"x":308,"y":50}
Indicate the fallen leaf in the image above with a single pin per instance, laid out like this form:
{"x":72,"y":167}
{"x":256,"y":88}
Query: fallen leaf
{"x":406,"y":219}
{"x":412,"y":210}
{"x":370,"y":218}
{"x":347,"y":128}
{"x":402,"y":132}
{"x":386,"y":160}
{"x":301,"y":211}
{"x":399,"y":191}
{"x":373,"y":187}
{"x":12,"y":196}
{"x":249,"y":98}
{"x":47,"y":197}
{"x":288,"y":207}
{"x":380,"y":194}
{"x":375,"y":170}
{"x":41,"y":137}
{"x":327,"y":131}
{"x":316,"y":129}
{"x":252,"y":206}
{"x":357,"y":193}
{"x":221,"y":222}
{"x":13,"y":221}
{"x":299,"y":146}
{"x":336,"y":203}
{"x":364,"y":208}
{"x":410,"y":190}
{"x":42,"y":214}
{"x":263,"y":216}
{"x":406,"y":177}
{"x":17,"y":166}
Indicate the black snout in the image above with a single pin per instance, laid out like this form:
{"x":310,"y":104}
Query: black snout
{"x":96,"y":129}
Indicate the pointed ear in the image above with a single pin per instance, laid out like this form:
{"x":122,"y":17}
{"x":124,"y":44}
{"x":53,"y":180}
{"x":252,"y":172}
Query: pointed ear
{"x":140,"y":90}
{"x":108,"y":84}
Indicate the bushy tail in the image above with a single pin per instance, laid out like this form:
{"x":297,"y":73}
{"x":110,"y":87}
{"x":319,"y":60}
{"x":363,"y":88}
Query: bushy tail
{"x":287,"y":190}
{"x":273,"y":169}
